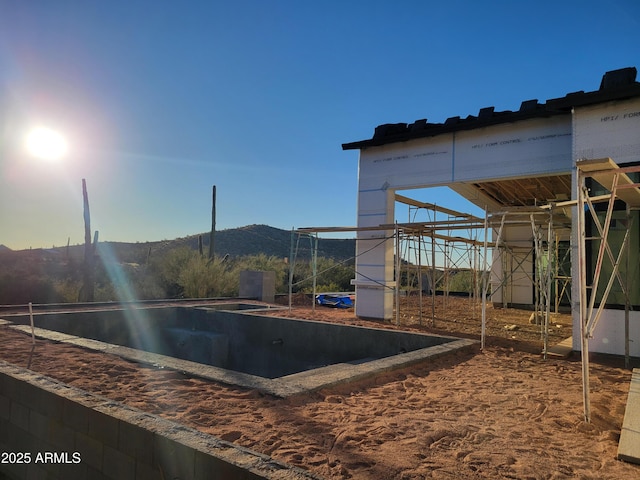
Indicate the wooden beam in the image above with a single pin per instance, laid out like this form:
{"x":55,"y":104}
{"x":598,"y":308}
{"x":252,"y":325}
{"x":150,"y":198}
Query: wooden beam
{"x":604,"y":170}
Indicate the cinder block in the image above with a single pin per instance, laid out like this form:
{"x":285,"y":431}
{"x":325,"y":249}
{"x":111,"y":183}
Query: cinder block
{"x":136,"y":441}
{"x":146,"y":471}
{"x":208,"y":467}
{"x":19,"y":439}
{"x":103,"y":428}
{"x":75,"y":416}
{"x":117,"y":465}
{"x":27,"y":394}
{"x":8,"y":385}
{"x":73,"y":471}
{"x":3,"y":433}
{"x":14,"y":470}
{"x":95,"y":474}
{"x":5,"y":407}
{"x":51,"y":405}
{"x":257,"y":284}
{"x":61,"y":437}
{"x":34,"y":472}
{"x":91,"y":450}
{"x":175,"y":460}
{"x":38,"y":425}
{"x":19,"y":415}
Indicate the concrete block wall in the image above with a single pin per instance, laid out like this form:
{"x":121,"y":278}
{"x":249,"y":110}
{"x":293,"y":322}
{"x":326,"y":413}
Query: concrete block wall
{"x":259,"y":285}
{"x":49,"y":430}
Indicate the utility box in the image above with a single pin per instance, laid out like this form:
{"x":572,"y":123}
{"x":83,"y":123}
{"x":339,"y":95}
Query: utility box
{"x":258,"y":285}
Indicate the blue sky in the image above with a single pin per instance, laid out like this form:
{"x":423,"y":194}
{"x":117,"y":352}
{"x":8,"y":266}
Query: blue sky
{"x":161,"y":100}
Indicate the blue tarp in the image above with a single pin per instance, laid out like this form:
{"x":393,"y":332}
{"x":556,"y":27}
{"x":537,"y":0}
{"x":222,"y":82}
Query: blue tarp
{"x":333,"y":300}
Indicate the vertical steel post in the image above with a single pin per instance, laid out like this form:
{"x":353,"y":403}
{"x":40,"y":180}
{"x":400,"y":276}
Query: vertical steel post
{"x":485,"y":280}
{"x":398,"y":263}
{"x":420,"y":274}
{"x":582,"y":274}
{"x":627,"y":299}
{"x":549,"y":272}
{"x":433,"y":272}
{"x":314,"y":267}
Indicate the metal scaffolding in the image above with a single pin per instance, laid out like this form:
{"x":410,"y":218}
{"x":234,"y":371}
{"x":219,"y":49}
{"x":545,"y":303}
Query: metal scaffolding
{"x":417,"y":245}
{"x":293,"y":256}
{"x":534,"y":259}
{"x":593,"y":299}
{"x":429,"y":252}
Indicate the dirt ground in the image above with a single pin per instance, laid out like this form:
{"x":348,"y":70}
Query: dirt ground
{"x":503,"y":412}
{"x":452,"y":315}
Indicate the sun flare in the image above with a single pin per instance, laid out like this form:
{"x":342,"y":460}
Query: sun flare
{"x":46,"y":144}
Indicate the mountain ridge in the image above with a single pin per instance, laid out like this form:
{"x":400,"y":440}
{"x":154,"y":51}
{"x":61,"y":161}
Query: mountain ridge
{"x":271,"y":241}
{"x":235,"y":242}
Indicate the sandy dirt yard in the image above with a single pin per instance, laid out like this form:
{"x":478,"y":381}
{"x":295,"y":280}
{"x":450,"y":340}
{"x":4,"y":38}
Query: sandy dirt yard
{"x":503,"y":412}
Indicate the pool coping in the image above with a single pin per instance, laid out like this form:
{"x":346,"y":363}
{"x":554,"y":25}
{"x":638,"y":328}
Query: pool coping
{"x":283,"y":387}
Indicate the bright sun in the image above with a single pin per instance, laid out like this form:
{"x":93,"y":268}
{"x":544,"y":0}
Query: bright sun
{"x":46,"y":144}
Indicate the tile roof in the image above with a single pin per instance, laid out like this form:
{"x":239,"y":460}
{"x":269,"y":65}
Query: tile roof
{"x":615,"y":85}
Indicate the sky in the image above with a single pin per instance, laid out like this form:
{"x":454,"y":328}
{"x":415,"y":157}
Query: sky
{"x":160,"y":100}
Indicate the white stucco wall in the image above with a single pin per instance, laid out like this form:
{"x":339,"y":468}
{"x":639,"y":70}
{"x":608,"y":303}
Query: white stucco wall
{"x":608,"y":336}
{"x":374,"y":255}
{"x":527,"y":148}
{"x":606,"y":130}
{"x":512,"y":270}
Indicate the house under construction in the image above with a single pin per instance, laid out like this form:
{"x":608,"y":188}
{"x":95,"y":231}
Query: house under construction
{"x":558,"y":181}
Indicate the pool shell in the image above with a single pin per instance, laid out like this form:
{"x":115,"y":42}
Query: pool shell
{"x":230,"y":344}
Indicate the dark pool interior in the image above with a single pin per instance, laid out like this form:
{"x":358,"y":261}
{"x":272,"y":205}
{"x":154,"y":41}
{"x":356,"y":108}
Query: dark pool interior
{"x":231,"y":337}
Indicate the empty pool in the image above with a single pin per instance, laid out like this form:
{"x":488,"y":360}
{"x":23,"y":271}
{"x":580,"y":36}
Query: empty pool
{"x":232,"y":344}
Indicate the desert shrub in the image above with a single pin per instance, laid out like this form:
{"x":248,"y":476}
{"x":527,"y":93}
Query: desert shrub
{"x":202,"y":278}
{"x":33,"y":288}
{"x":67,"y":289}
{"x":462,"y":281}
{"x":331,"y":276}
{"x":166,"y":270}
{"x":180,"y":272}
{"x":148,"y":285}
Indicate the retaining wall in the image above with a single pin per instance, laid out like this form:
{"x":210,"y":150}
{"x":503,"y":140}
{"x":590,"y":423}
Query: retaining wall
{"x":55,"y":431}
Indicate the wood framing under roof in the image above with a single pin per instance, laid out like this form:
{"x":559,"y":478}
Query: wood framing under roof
{"x":528,"y":192}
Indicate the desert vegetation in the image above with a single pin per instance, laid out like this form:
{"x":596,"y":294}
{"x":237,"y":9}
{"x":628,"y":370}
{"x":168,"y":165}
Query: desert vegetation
{"x":182,"y":272}
{"x":179,"y":268}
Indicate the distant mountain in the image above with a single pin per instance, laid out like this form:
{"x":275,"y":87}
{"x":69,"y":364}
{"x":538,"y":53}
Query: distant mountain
{"x":255,"y":239}
{"x":51,"y":275}
{"x":235,"y":242}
